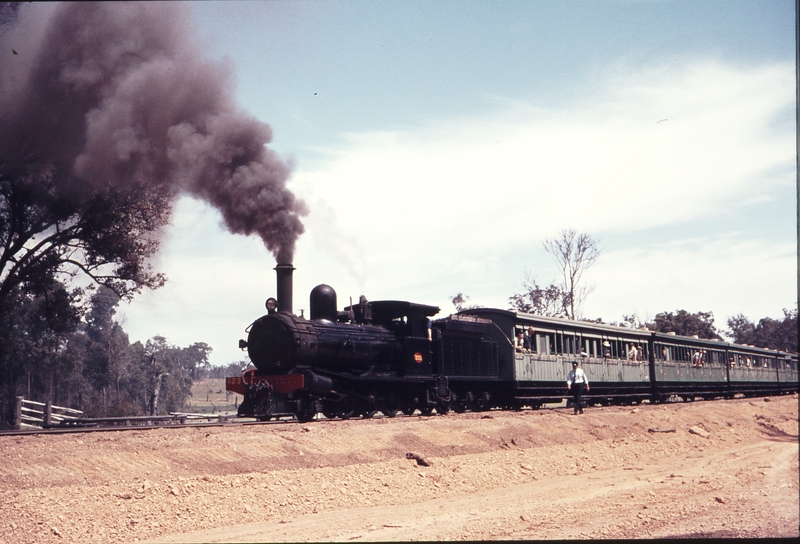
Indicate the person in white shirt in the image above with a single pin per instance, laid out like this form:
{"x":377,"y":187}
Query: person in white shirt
{"x":576,"y":382}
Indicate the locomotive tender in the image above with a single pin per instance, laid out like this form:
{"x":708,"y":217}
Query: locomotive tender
{"x":389,"y":356}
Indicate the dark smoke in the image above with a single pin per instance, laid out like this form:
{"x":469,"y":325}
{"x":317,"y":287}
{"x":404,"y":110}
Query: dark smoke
{"x":111,"y":93}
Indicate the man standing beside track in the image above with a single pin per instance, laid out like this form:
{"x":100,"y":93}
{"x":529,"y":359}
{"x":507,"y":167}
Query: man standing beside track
{"x":576,"y":381}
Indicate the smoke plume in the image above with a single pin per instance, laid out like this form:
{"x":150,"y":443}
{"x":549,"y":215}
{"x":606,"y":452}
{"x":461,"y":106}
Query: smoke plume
{"x":112,"y":93}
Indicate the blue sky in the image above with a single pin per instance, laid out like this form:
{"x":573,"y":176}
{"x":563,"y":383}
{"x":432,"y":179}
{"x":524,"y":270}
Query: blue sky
{"x":438,"y":144}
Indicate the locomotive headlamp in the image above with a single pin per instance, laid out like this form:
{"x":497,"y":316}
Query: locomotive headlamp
{"x":242,"y":344}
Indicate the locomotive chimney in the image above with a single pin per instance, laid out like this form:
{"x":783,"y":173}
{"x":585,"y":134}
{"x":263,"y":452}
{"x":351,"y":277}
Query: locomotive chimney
{"x":284,"y":274}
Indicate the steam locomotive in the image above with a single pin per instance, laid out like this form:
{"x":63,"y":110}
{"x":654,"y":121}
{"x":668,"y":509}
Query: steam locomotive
{"x":390,"y":356}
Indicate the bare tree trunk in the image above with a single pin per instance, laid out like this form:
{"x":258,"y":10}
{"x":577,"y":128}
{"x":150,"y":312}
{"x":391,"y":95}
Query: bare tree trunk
{"x":574,"y":253}
{"x":154,"y":398}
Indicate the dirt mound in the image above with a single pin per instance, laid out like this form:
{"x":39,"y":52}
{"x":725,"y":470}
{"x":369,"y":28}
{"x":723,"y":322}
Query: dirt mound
{"x":704,"y":469}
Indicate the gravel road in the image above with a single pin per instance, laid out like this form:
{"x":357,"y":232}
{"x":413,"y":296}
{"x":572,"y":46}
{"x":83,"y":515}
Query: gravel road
{"x":700,"y":469}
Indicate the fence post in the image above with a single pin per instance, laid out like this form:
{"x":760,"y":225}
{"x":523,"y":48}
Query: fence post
{"x":48,"y":413}
{"x":18,"y":414}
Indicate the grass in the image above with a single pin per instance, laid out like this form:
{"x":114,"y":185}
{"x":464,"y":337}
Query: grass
{"x":209,"y":397}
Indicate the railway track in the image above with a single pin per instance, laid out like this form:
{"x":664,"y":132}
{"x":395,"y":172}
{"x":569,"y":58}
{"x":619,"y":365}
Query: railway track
{"x":143,"y":423}
{"x":226,"y":421}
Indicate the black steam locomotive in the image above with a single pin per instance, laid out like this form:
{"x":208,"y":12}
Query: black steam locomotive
{"x":389,"y":356}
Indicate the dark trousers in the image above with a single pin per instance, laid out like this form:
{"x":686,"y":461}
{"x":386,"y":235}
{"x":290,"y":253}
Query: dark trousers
{"x":577,"y":392}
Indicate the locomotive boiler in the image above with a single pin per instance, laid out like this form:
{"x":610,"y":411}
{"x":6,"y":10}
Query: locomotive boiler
{"x":369,"y":357}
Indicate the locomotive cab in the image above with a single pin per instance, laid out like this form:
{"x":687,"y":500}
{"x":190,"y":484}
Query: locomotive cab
{"x":408,"y":321}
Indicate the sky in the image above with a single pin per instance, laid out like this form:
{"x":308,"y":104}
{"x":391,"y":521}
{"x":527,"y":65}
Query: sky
{"x":439,"y":144}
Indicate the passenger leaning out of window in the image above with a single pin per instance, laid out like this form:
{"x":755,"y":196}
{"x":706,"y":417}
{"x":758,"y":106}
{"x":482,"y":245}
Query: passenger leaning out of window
{"x":632,"y":353}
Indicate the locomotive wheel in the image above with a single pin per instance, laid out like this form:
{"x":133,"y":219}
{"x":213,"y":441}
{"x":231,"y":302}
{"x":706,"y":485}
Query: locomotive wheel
{"x":366,"y":407}
{"x":426,"y":410}
{"x":306,"y":411}
{"x":408,"y":410}
{"x":345,"y":408}
{"x":458,"y":404}
{"x":442,"y":407}
{"x":329,"y":409}
{"x":304,"y":416}
{"x":389,"y":406}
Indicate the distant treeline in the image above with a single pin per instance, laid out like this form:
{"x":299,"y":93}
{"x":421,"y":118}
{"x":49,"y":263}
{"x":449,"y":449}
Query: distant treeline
{"x":51,"y":351}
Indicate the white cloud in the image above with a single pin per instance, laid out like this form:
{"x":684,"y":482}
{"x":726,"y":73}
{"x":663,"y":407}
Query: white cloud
{"x":597,"y":164}
{"x":723,"y":274}
{"x":439,"y":196}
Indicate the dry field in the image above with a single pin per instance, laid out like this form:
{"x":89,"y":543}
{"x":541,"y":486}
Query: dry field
{"x":209,"y":397}
{"x":729,"y":469}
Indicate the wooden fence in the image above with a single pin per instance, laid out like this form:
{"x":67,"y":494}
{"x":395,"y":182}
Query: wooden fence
{"x":29,"y":414}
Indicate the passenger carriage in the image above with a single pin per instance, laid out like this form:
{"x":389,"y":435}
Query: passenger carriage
{"x":787,"y":372}
{"x":539,"y":375}
{"x":664,"y":366}
{"x":689,"y":367}
{"x":757,"y":371}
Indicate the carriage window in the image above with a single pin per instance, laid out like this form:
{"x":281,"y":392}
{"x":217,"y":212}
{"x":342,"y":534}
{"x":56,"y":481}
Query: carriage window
{"x":615,"y":349}
{"x":570,"y":344}
{"x":546,"y":343}
{"x":744,"y":360}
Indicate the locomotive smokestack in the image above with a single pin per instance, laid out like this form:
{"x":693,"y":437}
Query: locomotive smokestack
{"x":284,"y":274}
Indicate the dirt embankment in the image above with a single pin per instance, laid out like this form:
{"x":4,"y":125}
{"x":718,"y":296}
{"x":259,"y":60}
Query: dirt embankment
{"x":729,"y":469}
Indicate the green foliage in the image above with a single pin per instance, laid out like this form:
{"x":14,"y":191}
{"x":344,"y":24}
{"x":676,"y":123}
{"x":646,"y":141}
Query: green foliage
{"x":768,"y":333}
{"x":552,"y":301}
{"x":54,"y":231}
{"x":48,"y":352}
{"x":699,"y":324}
{"x":33,"y":340}
{"x":50,"y":231}
{"x":174,"y":368}
{"x":461,"y":302}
